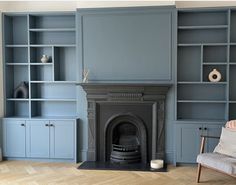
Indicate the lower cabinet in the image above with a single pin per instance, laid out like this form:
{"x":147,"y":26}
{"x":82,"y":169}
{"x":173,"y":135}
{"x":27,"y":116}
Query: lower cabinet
{"x":14,"y":138}
{"x":38,"y":139}
{"x":62,"y":139}
{"x":49,"y":139}
{"x":188,"y":139}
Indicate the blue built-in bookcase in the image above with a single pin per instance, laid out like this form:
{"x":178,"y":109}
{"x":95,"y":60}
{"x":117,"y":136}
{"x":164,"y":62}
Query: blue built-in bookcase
{"x":206,"y":41}
{"x":44,"y":124}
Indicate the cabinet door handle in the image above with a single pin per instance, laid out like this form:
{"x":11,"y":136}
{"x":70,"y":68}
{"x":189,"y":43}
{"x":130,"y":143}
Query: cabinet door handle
{"x":22,"y":124}
{"x":200,"y":128}
{"x":46,"y":125}
{"x":205,"y":128}
{"x":51,"y":125}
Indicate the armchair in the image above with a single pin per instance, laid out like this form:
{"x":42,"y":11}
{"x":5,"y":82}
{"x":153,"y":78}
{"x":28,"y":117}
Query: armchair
{"x":215,"y":161}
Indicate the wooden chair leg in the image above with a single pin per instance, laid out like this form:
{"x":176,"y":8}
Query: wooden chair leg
{"x":199,"y":169}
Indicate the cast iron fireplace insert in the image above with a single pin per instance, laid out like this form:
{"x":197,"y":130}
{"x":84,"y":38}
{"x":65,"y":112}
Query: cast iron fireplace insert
{"x":125,"y":139}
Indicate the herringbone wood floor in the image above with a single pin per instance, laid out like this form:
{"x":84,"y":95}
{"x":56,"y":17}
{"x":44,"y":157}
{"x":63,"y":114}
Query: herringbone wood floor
{"x":38,"y":173}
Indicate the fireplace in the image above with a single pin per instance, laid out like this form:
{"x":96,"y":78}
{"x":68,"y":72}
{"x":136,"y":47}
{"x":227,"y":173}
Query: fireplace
{"x":125,"y":138}
{"x":125,"y":122}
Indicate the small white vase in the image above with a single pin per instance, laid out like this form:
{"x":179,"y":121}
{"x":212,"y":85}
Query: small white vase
{"x":44,"y":59}
{"x":214,"y":76}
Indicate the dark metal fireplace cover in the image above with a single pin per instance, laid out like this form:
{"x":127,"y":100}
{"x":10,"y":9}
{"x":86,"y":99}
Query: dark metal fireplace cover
{"x":95,"y":165}
{"x":119,"y":119}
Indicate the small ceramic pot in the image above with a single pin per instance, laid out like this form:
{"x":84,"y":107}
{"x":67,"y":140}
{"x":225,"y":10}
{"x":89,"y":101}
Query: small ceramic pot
{"x":44,"y":59}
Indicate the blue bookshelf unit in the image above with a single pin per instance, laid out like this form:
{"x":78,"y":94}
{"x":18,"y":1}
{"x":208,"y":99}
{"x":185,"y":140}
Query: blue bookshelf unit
{"x":205,"y":42}
{"x":43,"y":125}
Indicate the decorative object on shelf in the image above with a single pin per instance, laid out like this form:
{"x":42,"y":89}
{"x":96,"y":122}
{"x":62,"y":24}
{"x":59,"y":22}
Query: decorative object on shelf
{"x":22,"y":91}
{"x":214,"y":76}
{"x":85,"y":74}
{"x":45,"y":59}
{"x":157,"y":164}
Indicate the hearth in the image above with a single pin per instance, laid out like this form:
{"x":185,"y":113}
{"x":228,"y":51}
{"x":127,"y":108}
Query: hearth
{"x":125,"y":122}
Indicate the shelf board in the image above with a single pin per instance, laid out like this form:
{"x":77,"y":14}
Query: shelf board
{"x":232,"y":101}
{"x":17,"y":117}
{"x":41,"y":64}
{"x":53,"y":45}
{"x":52,"y":29}
{"x":201,"y":121}
{"x":16,"y":64}
{"x":56,"y":82}
{"x":55,"y":117}
{"x":202,"y":44}
{"x":202,"y":83}
{"x":232,"y":63}
{"x":43,"y":117}
{"x":16,"y":46}
{"x":214,"y":63}
{"x":202,"y":101}
{"x":17,"y":99}
{"x":204,"y":27}
{"x":47,"y":99}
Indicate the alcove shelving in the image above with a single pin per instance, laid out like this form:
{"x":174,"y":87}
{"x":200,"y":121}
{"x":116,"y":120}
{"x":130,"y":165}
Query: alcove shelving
{"x":52,"y":85}
{"x":203,"y":44}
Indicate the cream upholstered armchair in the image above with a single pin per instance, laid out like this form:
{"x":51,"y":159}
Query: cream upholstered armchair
{"x":223,"y":159}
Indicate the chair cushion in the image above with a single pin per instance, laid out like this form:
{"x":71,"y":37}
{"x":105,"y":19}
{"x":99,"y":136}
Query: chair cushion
{"x":227,"y":144}
{"x":218,"y":161}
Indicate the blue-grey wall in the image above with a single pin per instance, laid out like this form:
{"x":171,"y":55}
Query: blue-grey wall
{"x":133,"y":53}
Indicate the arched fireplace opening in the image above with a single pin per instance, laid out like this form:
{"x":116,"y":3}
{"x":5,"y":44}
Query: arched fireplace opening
{"x":125,"y":146}
{"x":126,"y":140}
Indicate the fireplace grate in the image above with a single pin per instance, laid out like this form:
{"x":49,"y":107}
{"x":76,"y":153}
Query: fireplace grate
{"x":125,"y":154}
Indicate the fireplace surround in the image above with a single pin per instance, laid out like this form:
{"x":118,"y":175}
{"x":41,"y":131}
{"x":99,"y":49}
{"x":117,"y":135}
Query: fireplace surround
{"x":125,"y":122}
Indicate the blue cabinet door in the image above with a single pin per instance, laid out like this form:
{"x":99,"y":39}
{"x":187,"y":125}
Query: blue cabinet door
{"x":187,"y":142}
{"x":62,"y":139}
{"x":14,"y":140}
{"x":38,"y":139}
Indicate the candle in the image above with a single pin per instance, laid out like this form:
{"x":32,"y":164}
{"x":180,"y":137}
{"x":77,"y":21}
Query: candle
{"x":157,"y":164}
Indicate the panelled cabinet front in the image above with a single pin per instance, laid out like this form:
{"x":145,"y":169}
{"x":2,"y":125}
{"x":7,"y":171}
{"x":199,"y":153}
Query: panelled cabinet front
{"x":188,"y":138}
{"x":14,"y":138}
{"x":38,"y":139}
{"x":62,"y":139}
{"x":187,"y":142}
{"x":49,"y":139}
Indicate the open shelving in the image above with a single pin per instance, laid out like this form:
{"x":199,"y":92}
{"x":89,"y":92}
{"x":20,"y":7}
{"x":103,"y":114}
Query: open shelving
{"x":15,"y":30}
{"x":206,"y":42}
{"x":52,"y":85}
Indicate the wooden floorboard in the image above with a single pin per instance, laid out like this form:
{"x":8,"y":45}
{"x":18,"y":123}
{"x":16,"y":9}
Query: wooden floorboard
{"x":39,"y":173}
